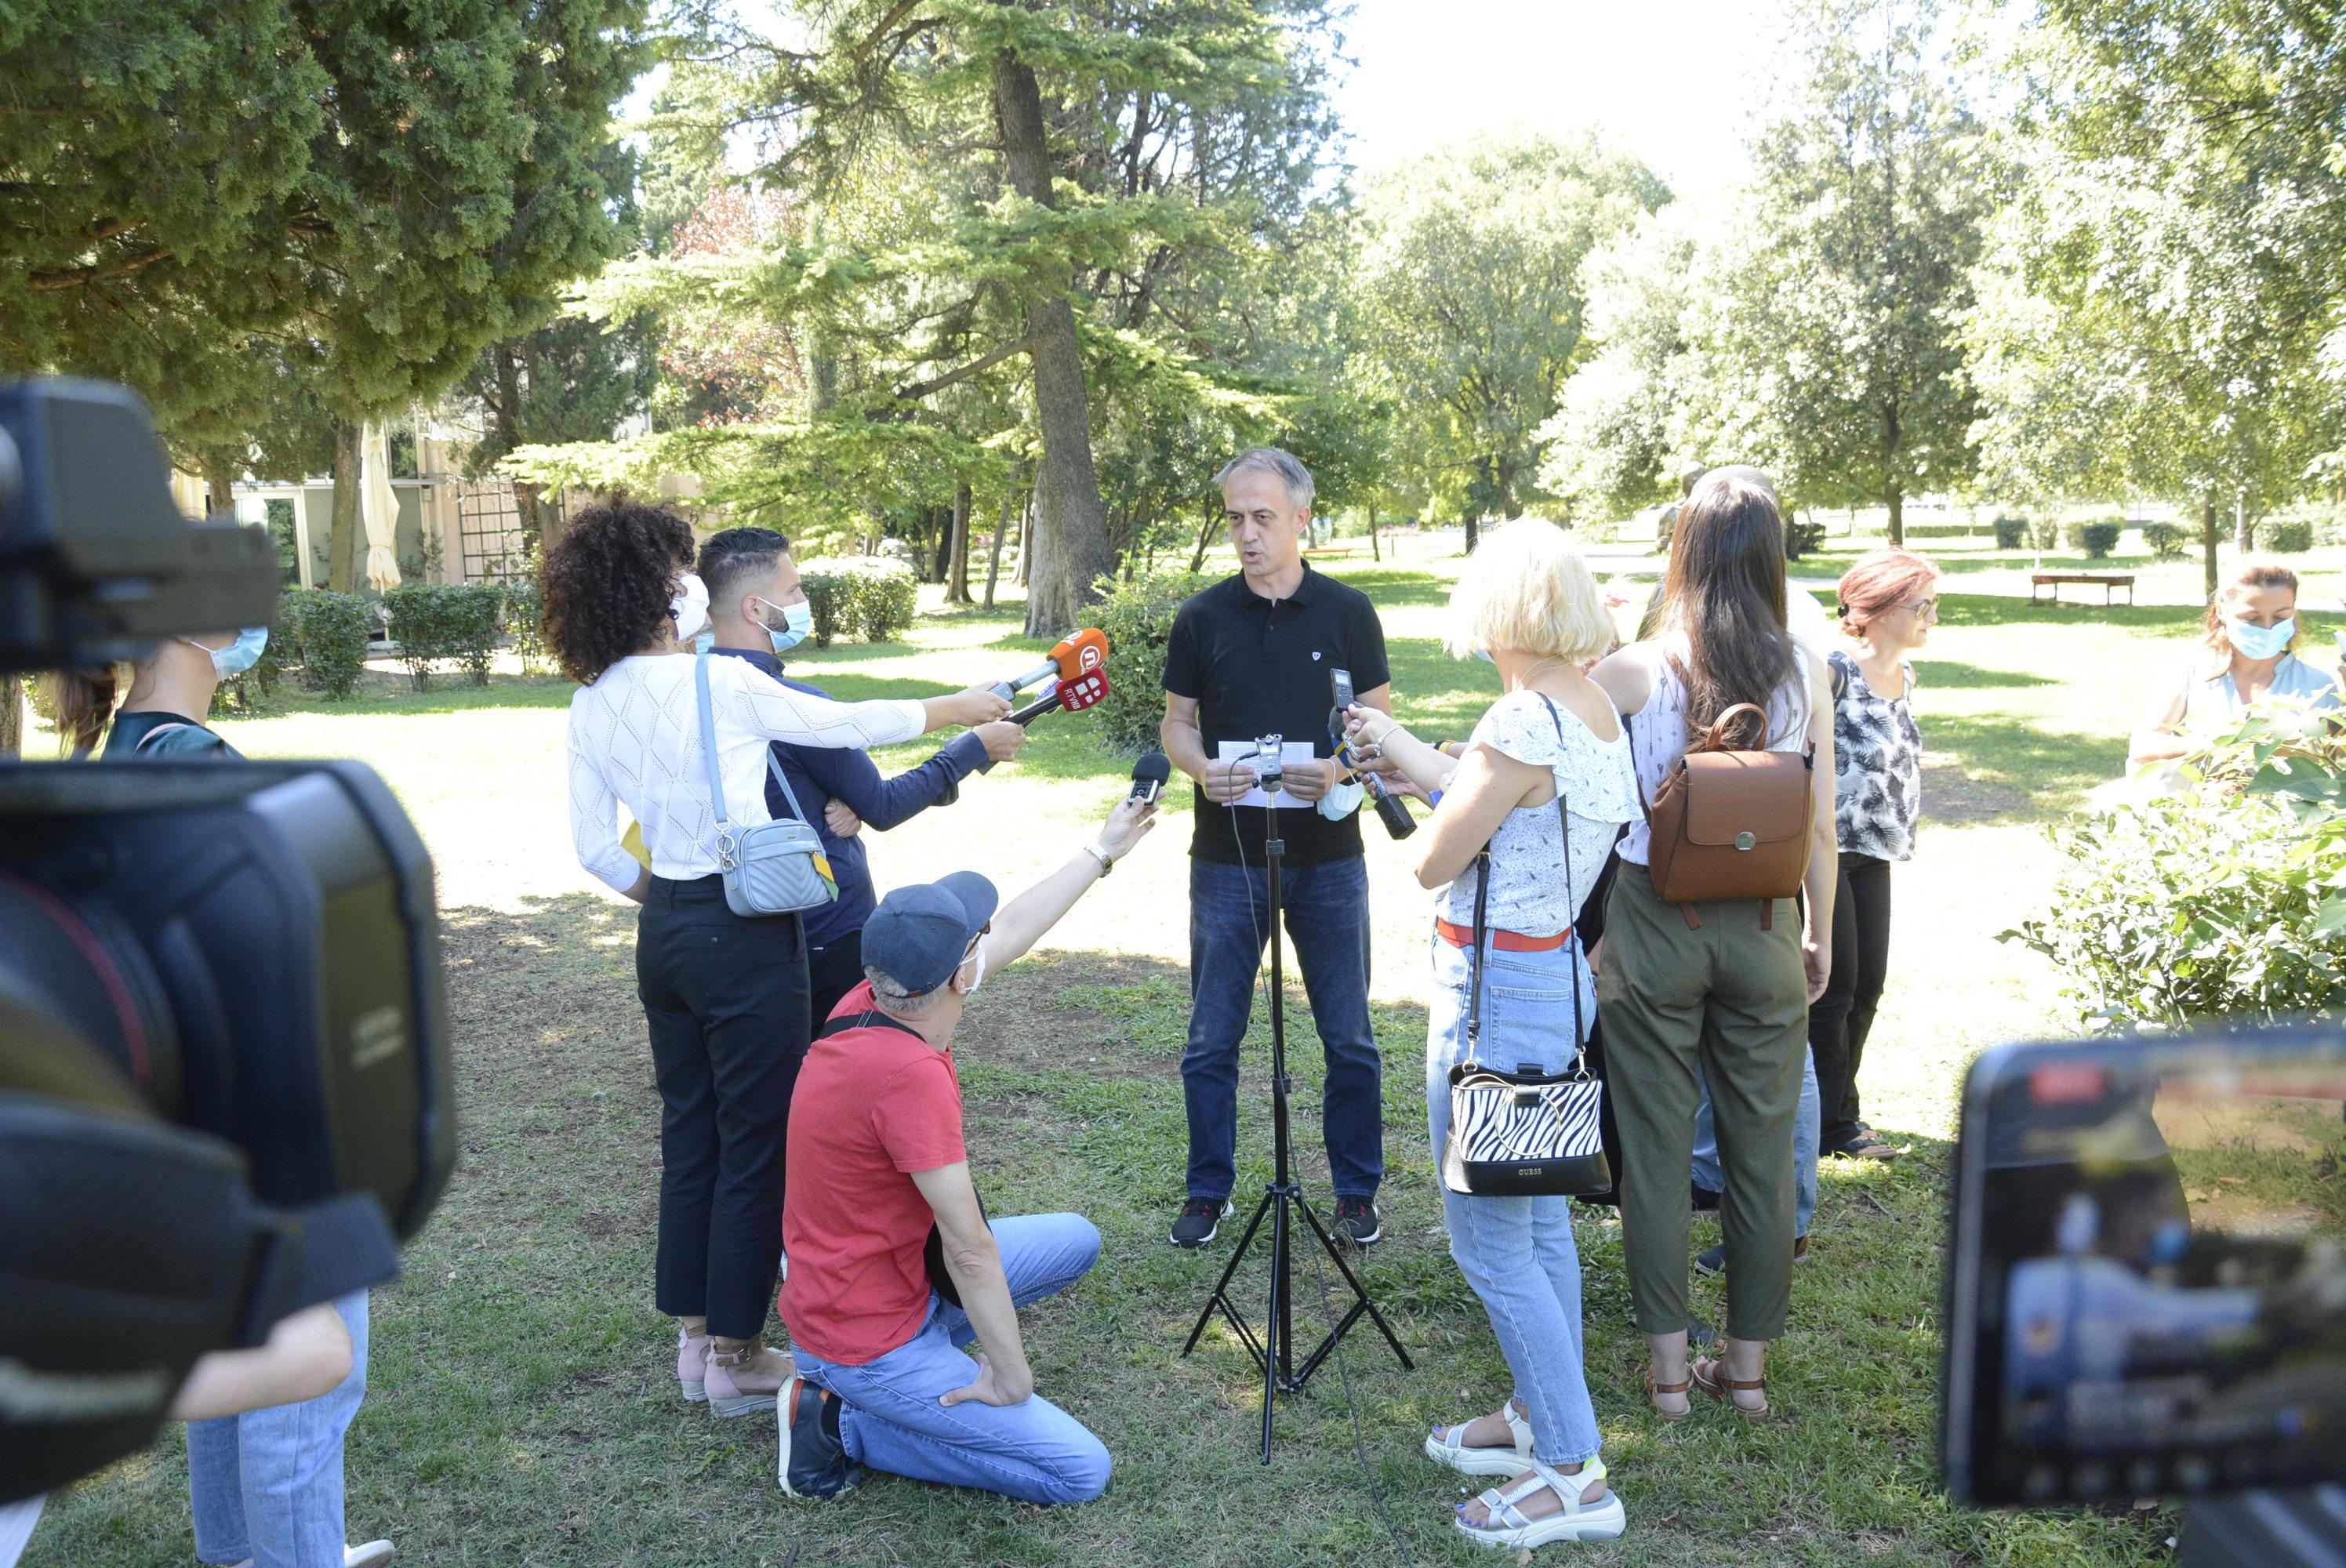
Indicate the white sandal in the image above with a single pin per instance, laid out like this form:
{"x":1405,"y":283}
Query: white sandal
{"x":1575,"y":1521}
{"x":1443,"y":1447}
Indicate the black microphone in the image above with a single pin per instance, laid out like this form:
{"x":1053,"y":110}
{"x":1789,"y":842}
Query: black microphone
{"x":1148,"y":775}
{"x":1389,"y":810}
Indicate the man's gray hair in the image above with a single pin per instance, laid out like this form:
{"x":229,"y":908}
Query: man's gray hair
{"x":1288,"y":468}
{"x":904,"y":1004}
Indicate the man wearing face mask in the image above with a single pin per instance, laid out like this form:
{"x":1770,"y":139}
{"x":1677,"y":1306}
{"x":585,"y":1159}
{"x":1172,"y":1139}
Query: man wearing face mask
{"x":758,"y":612}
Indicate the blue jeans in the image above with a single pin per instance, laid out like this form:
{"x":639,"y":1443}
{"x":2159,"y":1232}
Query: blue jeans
{"x":268,"y":1484}
{"x":1328,"y":934}
{"x":889,"y":1418}
{"x":1707,"y":1174}
{"x":1517,"y":1252}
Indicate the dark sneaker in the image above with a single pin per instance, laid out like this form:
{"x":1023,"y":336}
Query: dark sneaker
{"x":1863,"y":1143}
{"x":1358,"y":1222}
{"x":1705,"y":1200}
{"x":1713,"y":1261}
{"x":815,"y":1461}
{"x":1200,"y":1219}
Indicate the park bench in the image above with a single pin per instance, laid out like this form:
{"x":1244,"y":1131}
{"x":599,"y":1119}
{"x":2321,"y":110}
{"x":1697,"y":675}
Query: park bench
{"x":1331,"y":552}
{"x":2110,"y":582}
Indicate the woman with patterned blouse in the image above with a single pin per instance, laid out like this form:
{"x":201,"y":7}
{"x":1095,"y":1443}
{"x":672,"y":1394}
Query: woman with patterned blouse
{"x":1889,"y":602}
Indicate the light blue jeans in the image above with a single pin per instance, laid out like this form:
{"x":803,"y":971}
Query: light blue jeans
{"x":1517,"y":1252}
{"x":890,"y":1419}
{"x":268,"y":1484}
{"x":1707,"y":1174}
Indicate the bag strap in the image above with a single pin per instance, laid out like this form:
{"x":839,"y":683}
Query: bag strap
{"x":873,"y":1019}
{"x":1474,"y":960}
{"x":1580,"y":1026}
{"x":774,"y":767}
{"x":708,"y":742}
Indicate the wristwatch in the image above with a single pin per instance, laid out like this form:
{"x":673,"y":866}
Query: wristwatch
{"x":1107,"y":862}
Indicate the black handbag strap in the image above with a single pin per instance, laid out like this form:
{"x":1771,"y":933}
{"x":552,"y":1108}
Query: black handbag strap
{"x":1579,"y":1025}
{"x":1474,"y":957}
{"x":1482,"y":895}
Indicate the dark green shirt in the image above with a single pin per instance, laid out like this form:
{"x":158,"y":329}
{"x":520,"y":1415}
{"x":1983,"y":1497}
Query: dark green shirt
{"x":179,"y":738}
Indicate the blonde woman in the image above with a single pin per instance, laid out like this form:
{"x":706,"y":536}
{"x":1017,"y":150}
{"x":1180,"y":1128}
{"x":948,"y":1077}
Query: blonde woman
{"x":1526,"y":602}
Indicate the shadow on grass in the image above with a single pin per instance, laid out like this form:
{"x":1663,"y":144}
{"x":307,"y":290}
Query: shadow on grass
{"x":1935,"y":674}
{"x":2009,"y":770}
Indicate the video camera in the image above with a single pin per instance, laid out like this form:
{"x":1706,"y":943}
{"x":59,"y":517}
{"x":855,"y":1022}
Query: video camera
{"x":224,"y":1067}
{"x":2146,"y":1286}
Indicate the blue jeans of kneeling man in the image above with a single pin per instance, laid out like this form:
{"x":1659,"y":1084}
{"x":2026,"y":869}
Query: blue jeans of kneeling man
{"x":1517,"y":1252}
{"x":889,"y":1415}
{"x":1327,"y":909}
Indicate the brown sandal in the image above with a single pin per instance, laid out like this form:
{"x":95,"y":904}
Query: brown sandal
{"x":1724,"y":1388}
{"x":1653,"y":1388}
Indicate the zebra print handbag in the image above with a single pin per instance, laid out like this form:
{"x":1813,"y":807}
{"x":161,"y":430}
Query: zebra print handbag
{"x":1526,"y":1134}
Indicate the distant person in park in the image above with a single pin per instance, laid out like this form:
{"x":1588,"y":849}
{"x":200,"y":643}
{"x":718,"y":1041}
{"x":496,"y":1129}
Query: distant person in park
{"x":1727,"y":998}
{"x":1802,"y":612}
{"x":2245,"y":653}
{"x":879,"y":1163}
{"x":1551,"y":745}
{"x":759,"y":613}
{"x":724,"y":995}
{"x":1248,"y":657}
{"x":264,"y":1484}
{"x":1666,"y":527}
{"x":1889,"y":602}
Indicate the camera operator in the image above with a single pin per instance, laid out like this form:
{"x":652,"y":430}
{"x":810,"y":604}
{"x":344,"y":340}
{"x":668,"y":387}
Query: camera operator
{"x":170,"y":696}
{"x":758,"y":612}
{"x":1250,"y":657}
{"x":878,"y":1160}
{"x":724,"y":995}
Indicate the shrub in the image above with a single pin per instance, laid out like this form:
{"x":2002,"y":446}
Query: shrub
{"x":432,"y":621}
{"x":1137,"y":617}
{"x":2045,"y":534}
{"x":2222,"y":901}
{"x":868,"y":597}
{"x":2011,"y":533}
{"x":2165,"y":540}
{"x":1800,"y":537}
{"x":524,"y":608}
{"x":2094,"y":540}
{"x":331,"y":631}
{"x":2290,"y":536}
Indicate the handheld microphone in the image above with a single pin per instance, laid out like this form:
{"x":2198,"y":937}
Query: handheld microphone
{"x":1072,"y":657}
{"x":1148,"y":775}
{"x":1074,"y":696}
{"x":1390,"y":808}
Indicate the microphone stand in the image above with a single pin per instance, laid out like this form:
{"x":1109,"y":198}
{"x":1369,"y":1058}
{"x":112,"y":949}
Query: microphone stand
{"x":1274,"y":1352}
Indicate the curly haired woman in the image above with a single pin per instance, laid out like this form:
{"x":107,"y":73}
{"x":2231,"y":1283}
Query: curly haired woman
{"x":725,"y":996}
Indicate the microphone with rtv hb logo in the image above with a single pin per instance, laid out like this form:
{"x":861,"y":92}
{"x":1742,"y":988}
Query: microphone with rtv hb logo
{"x":1148,"y":775}
{"x":1072,"y":657}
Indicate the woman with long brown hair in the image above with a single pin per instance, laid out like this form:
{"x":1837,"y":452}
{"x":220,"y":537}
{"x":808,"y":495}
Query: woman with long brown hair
{"x":1727,"y":998}
{"x":170,"y":694}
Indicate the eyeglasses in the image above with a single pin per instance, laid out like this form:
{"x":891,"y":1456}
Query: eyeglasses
{"x":1924,"y":607}
{"x":971,"y":950}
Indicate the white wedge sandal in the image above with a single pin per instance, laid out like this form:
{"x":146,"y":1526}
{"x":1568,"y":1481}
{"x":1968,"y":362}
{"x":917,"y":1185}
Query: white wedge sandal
{"x":1577,"y":1520}
{"x":1443,"y":1447}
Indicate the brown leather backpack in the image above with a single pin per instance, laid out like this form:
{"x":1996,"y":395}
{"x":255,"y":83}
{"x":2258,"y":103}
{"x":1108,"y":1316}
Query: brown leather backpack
{"x":1732,"y":824}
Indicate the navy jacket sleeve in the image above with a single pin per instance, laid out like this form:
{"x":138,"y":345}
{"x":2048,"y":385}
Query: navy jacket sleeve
{"x":850,"y":776}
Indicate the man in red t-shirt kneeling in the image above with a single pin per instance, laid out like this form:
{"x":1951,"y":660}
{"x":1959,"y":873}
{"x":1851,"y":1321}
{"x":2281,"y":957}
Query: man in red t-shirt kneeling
{"x":876,"y":1161}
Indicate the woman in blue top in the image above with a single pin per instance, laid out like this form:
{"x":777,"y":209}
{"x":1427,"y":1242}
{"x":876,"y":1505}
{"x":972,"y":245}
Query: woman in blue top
{"x":2247,"y":654}
{"x":171,"y":694}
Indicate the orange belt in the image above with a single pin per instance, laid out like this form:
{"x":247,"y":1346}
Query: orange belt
{"x":1504,"y":940}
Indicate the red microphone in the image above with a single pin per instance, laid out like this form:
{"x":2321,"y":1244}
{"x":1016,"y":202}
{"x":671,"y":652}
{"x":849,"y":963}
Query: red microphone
{"x":1072,"y":657}
{"x":1085,"y":691}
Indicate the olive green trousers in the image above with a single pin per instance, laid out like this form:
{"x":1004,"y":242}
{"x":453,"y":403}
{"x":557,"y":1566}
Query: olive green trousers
{"x":1730,"y":998}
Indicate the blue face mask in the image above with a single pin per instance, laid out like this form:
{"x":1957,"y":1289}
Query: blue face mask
{"x":2255,"y":642}
{"x":798,"y":621}
{"x":240,"y":656}
{"x":1485,"y":654}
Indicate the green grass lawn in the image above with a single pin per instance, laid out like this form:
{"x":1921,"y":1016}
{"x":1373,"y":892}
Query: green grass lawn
{"x":522,"y":1409}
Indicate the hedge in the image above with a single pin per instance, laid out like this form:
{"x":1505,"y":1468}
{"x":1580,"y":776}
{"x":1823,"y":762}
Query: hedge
{"x":2290,"y":536}
{"x":868,"y":597}
{"x":432,"y":621}
{"x":2095,"y":540}
{"x":332,"y":632}
{"x":1137,"y":617}
{"x":1800,"y":538}
{"x":525,"y":621}
{"x":2011,"y":532}
{"x":2165,"y":540}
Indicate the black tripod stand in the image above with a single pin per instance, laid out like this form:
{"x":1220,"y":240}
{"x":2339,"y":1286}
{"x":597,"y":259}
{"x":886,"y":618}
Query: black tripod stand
{"x":1274,"y":1351}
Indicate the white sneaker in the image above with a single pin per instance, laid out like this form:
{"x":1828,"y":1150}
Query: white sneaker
{"x":374,"y":1554}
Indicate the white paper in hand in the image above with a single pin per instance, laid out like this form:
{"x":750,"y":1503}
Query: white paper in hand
{"x":1290,"y":753}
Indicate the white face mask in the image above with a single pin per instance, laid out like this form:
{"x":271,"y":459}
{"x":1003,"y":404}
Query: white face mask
{"x":689,"y":607}
{"x":977,"y":976}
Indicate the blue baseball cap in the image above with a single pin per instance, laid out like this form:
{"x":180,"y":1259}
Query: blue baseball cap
{"x":918,"y":935}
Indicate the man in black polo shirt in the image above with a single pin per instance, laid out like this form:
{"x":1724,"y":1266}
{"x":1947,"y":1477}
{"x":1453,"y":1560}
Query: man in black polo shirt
{"x":1249,"y":657}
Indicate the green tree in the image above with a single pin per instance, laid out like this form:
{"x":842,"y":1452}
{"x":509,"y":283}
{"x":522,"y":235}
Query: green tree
{"x":1470,"y":287}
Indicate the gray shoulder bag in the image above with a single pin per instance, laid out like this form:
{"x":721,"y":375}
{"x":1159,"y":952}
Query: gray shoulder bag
{"x":770,"y":868}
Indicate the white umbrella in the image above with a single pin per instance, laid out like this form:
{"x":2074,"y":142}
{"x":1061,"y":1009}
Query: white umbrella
{"x":378,"y":507}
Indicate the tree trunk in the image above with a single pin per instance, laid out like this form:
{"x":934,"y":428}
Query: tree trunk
{"x":1376,"y":546}
{"x":2208,"y":541}
{"x":1473,"y":532}
{"x":1205,"y":538}
{"x":993,"y":551}
{"x":1071,"y":545}
{"x":2244,"y":527}
{"x":221,"y":467}
{"x":1897,"y":540}
{"x":1025,"y":540}
{"x":940,"y":553}
{"x":12,"y":715}
{"x":957,"y":575}
{"x":346,"y":539}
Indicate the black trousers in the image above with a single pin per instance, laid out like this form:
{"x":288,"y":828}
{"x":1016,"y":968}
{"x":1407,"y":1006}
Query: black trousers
{"x":833,"y":970}
{"x":1843,"y":1016}
{"x":726,"y":999}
